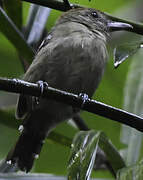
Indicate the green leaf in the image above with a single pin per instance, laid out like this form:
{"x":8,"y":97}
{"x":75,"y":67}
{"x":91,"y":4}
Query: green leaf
{"x":111,"y":152}
{"x":14,"y":11}
{"x":83,"y":154}
{"x":9,"y":29}
{"x":133,"y":102}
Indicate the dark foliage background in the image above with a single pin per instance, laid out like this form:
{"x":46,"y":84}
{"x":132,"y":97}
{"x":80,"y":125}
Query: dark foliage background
{"x":115,"y":89}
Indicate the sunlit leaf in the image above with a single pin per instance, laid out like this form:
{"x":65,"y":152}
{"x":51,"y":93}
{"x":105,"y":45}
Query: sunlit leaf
{"x":14,"y":11}
{"x":122,"y":52}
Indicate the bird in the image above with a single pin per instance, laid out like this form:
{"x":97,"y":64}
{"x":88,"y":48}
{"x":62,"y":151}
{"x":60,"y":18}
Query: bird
{"x":72,"y":58}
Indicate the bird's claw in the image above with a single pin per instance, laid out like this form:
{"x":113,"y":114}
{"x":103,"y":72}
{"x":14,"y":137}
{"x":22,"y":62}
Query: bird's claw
{"x":41,"y":85}
{"x":84,"y":98}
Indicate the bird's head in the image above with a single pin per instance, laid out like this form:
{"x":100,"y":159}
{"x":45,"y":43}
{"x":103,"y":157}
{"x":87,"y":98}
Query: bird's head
{"x":95,"y":20}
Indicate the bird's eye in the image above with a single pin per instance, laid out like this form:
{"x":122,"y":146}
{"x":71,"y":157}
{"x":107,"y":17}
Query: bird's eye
{"x":94,"y":14}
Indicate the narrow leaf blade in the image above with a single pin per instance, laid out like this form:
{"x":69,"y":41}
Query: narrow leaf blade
{"x":15,"y":36}
{"x":133,"y":102}
{"x":14,"y":11}
{"x":83,"y":155}
{"x":111,"y":152}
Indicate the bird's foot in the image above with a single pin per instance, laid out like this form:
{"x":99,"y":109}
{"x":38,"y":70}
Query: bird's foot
{"x":84,"y":98}
{"x":41,"y":85}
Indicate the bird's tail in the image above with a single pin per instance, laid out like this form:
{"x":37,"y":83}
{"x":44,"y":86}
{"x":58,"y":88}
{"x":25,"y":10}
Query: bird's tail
{"x":26,"y":150}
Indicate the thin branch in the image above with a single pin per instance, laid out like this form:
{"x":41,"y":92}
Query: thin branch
{"x":59,"y":5}
{"x":54,"y":4}
{"x":93,"y":106}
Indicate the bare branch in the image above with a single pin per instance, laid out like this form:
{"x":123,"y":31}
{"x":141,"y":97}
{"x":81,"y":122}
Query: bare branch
{"x":59,"y":5}
{"x":54,"y":4}
{"x":93,"y":106}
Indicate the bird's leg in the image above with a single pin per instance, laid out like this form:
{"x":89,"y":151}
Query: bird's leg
{"x":80,"y":123}
{"x":77,"y":118}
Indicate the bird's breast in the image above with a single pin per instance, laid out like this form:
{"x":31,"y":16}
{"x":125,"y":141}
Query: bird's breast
{"x":83,"y":59}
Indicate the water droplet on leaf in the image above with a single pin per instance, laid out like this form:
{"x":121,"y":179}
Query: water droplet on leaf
{"x":36,"y":156}
{"x":21,"y":128}
{"x":72,"y":145}
{"x":76,"y":155}
{"x":122,"y":52}
{"x":9,"y":162}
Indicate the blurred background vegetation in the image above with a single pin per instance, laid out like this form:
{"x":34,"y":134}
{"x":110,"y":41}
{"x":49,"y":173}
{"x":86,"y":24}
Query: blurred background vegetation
{"x":114,"y":89}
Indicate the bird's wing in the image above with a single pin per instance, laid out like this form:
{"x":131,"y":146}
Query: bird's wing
{"x":45,"y":42}
{"x":34,"y":73}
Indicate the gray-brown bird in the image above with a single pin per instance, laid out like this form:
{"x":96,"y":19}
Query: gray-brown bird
{"x":72,"y":58}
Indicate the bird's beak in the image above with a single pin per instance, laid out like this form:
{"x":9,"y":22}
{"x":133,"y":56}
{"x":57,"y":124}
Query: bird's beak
{"x":118,"y":26}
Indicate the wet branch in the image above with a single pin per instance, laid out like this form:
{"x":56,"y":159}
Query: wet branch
{"x":90,"y":105}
